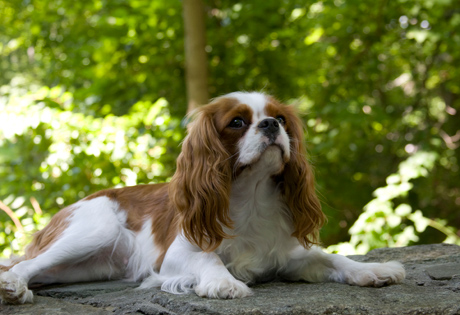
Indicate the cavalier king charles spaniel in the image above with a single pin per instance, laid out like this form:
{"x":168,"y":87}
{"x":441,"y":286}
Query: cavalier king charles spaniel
{"x":240,"y":209}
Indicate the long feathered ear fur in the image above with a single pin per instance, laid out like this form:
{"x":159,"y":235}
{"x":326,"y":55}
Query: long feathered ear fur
{"x":299,"y":187}
{"x":200,"y":188}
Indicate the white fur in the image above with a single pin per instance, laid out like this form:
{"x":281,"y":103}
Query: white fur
{"x":314,"y":265}
{"x":254,"y":100}
{"x":142,"y":258}
{"x":262,"y":223}
{"x":187,"y":268}
{"x":98,"y":245}
{"x":95,"y":232}
{"x":253,"y":143}
{"x":13,"y":289}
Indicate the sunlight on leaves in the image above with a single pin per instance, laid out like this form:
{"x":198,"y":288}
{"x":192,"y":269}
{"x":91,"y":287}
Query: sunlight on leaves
{"x":383,"y":224}
{"x":77,"y":149}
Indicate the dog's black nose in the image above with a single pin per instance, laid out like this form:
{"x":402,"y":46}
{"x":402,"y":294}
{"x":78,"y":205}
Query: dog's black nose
{"x":269,"y":125}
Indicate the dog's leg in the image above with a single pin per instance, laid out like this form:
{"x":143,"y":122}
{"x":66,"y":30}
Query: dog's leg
{"x":186,"y":268}
{"x":313,"y":265}
{"x":95,"y":228}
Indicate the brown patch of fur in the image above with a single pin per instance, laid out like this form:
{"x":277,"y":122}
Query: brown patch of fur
{"x":200,"y":188}
{"x":298,"y":180}
{"x":231,"y":136}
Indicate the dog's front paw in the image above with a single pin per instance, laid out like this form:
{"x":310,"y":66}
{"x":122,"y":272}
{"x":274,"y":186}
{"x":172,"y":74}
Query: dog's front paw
{"x":376,"y":275}
{"x":13,"y":289}
{"x":225,"y":288}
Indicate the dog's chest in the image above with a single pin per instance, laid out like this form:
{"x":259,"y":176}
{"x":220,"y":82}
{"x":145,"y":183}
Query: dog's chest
{"x":262,"y":241}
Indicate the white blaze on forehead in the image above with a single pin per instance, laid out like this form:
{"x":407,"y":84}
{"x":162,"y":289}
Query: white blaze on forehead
{"x":255,"y":100}
{"x":254,"y":143}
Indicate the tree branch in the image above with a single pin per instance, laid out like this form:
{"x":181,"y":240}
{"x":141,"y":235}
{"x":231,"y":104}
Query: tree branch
{"x":13,"y":216}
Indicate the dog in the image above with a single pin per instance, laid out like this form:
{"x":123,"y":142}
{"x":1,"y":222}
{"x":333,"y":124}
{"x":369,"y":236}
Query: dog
{"x":241,"y":208}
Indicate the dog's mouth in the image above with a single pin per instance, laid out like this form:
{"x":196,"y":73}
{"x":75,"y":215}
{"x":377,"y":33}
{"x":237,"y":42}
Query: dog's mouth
{"x":274,"y":145}
{"x":271,"y":158}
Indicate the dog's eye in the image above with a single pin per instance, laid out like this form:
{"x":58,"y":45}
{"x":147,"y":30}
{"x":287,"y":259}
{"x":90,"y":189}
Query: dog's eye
{"x":237,"y":123}
{"x":281,"y":119}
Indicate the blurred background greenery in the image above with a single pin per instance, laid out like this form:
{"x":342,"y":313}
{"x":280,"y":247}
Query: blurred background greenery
{"x":92,"y":95}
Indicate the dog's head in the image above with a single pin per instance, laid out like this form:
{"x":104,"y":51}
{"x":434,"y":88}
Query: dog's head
{"x":235,"y":132}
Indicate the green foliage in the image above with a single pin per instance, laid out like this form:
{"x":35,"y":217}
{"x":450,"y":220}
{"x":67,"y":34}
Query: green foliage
{"x":383,"y":224}
{"x":58,"y":157}
{"x":376,"y":83}
{"x":109,"y":55}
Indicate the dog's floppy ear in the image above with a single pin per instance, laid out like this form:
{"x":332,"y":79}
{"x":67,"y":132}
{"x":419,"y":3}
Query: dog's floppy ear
{"x":299,"y":186}
{"x":200,"y":188}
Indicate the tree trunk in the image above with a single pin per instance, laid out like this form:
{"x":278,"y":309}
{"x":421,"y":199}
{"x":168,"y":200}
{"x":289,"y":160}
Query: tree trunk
{"x":195,"y":55}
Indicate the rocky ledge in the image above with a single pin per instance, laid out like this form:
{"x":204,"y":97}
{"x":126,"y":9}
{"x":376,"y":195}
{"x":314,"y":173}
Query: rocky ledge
{"x":432,"y":286}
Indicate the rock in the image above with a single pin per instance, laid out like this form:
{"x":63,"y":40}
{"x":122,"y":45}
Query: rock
{"x":443,"y":271}
{"x":432,"y":286}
